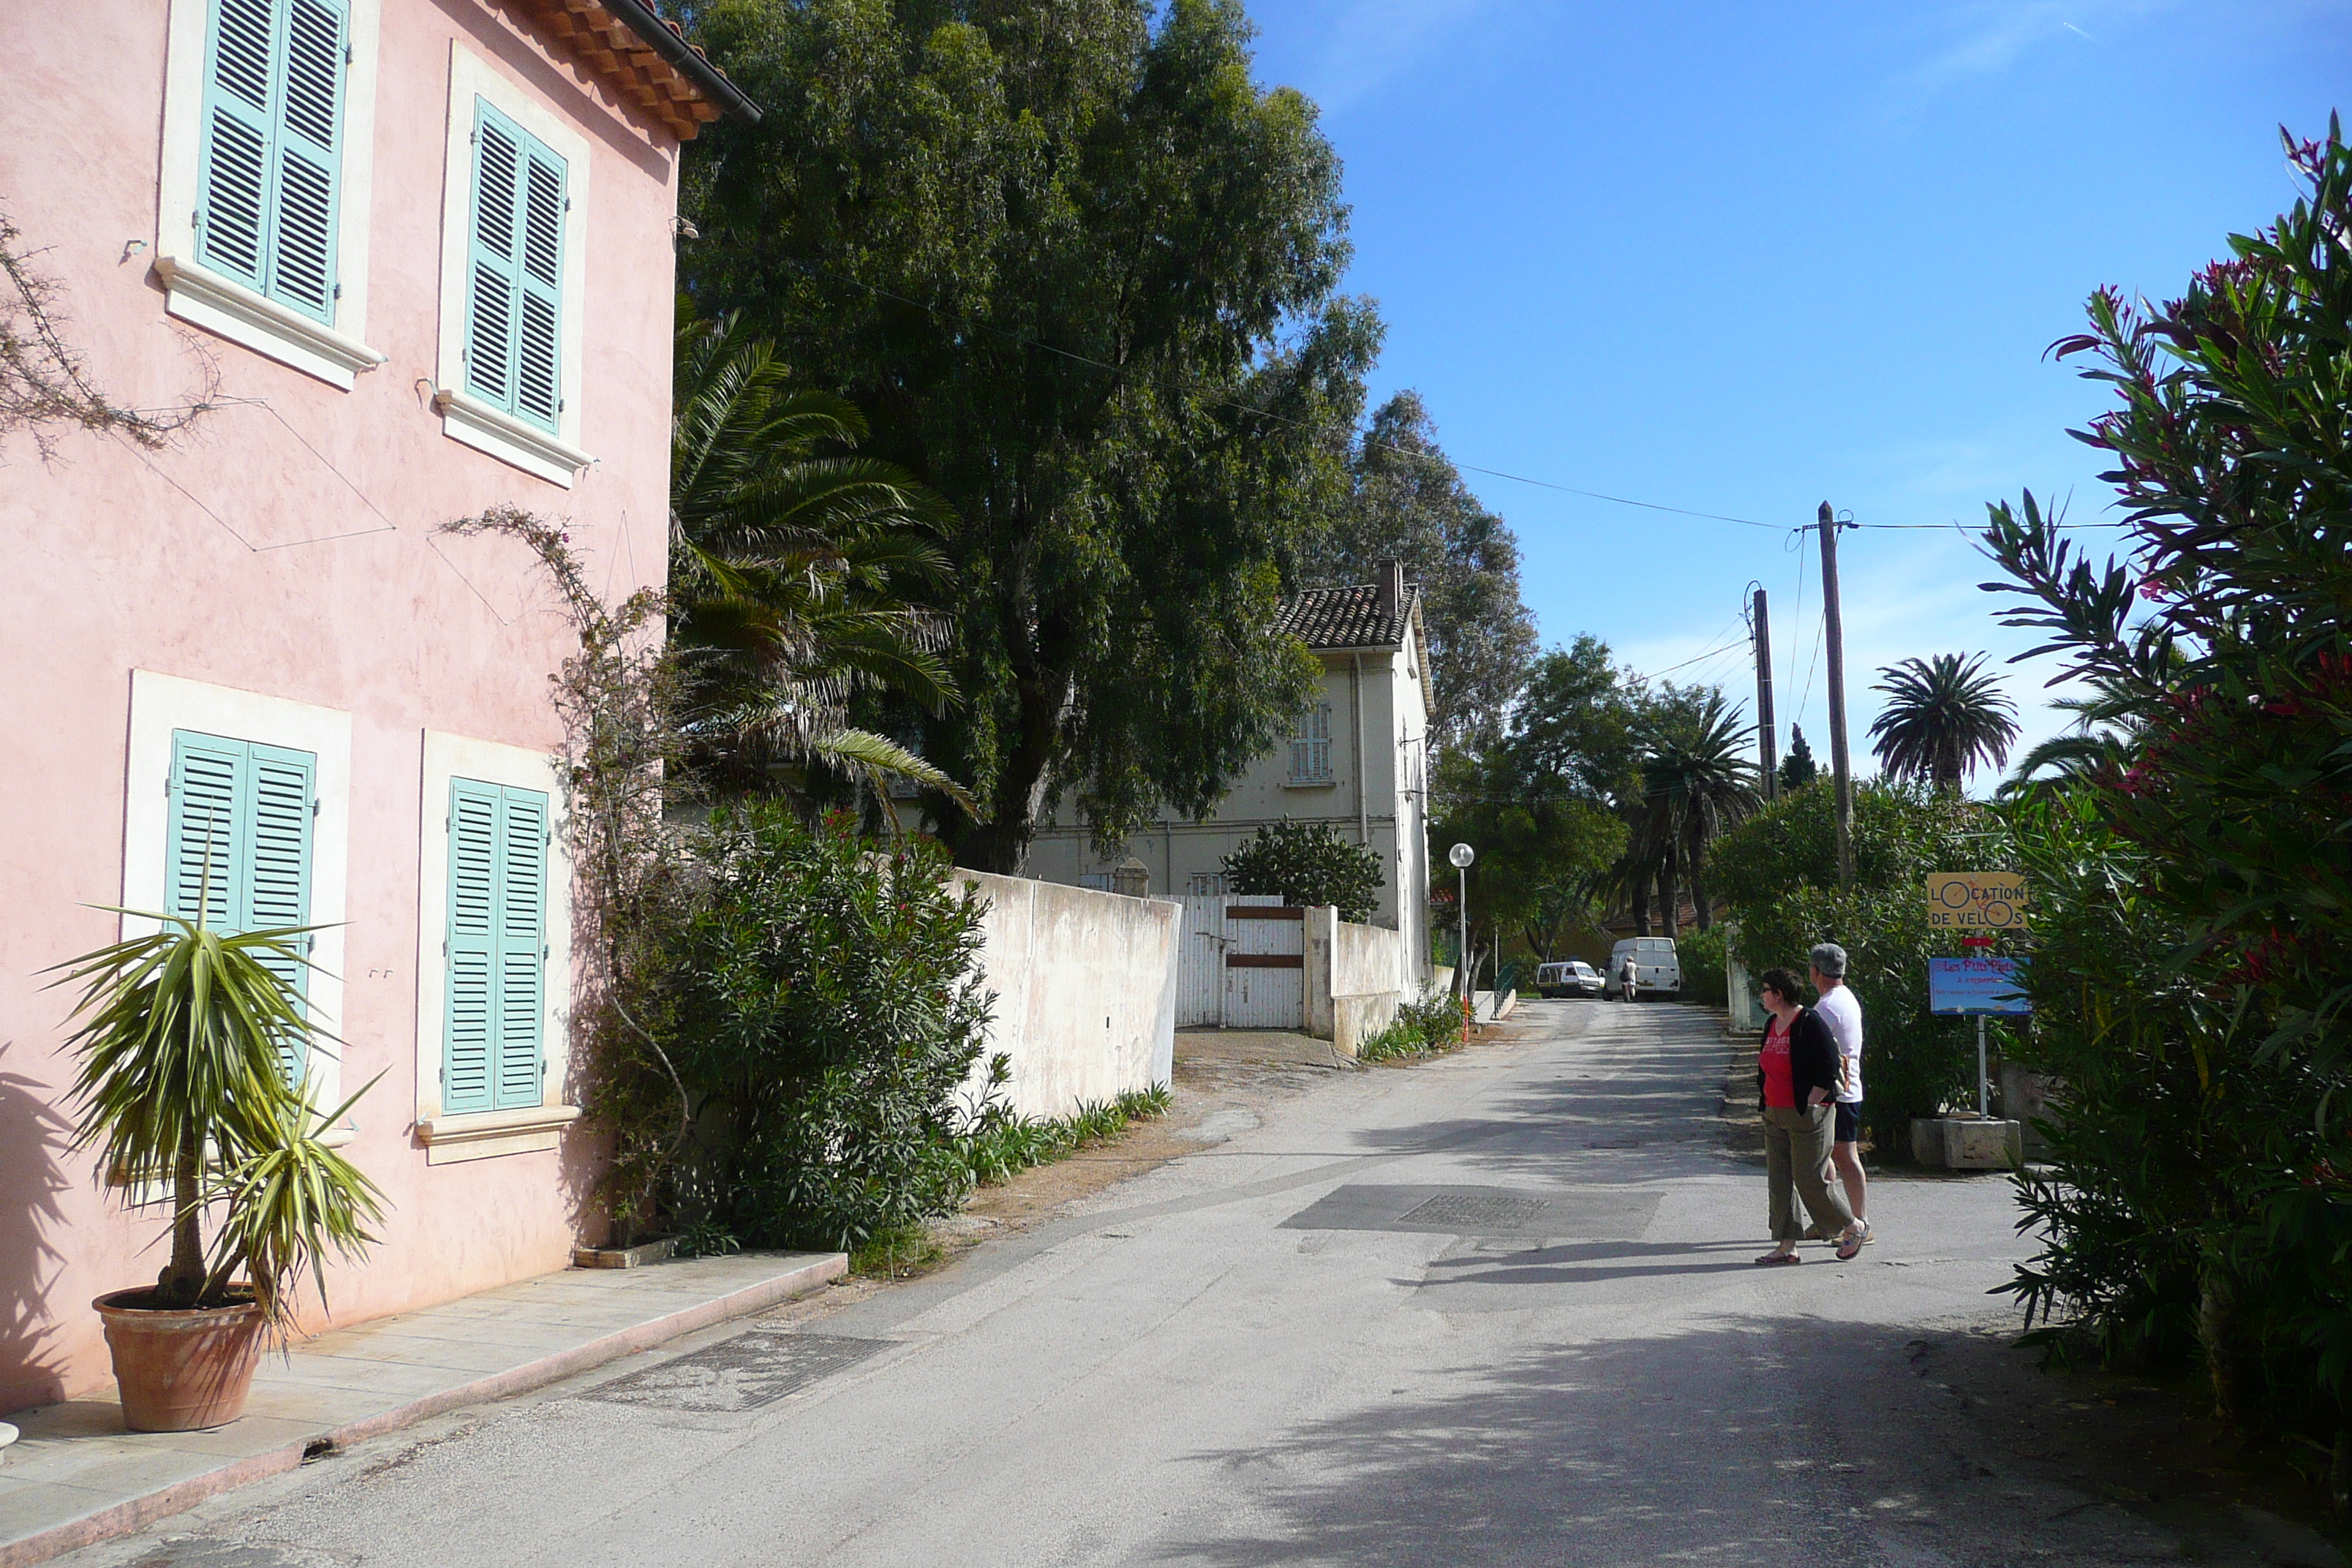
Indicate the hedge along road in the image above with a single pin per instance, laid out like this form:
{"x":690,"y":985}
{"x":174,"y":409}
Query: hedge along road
{"x":1496,"y":1308}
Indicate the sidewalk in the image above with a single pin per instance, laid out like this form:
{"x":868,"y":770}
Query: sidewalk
{"x":76,"y":1476}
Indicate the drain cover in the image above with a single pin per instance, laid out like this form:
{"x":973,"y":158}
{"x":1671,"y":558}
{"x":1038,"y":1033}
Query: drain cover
{"x":1598,"y":1213}
{"x":741,"y":1374}
{"x":1506,"y":1211}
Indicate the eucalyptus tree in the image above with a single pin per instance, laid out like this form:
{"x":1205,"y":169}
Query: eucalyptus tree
{"x":1944,"y":717}
{"x":1407,"y":500}
{"x":1080,"y":271}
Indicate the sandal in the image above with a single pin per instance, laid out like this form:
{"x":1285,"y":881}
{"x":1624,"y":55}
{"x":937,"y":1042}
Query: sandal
{"x":1851,"y":1243}
{"x":1779,"y":1258}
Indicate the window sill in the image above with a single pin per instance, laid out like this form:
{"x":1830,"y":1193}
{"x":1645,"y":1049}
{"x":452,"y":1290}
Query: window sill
{"x":206,"y":299}
{"x":508,"y":439}
{"x":1310,"y":784}
{"x":487,"y":1135}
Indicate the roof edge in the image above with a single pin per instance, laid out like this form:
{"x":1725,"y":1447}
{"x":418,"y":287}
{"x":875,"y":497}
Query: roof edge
{"x":685,"y":58}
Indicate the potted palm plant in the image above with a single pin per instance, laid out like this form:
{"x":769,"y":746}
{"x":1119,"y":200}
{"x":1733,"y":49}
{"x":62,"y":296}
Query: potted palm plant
{"x":181,"y":1034}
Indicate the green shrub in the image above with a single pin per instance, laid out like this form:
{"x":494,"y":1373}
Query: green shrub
{"x":1307,"y":864}
{"x":1420,"y":1028}
{"x":1002,"y":1145}
{"x":822,"y":1013}
{"x":1700,"y":952}
{"x":1778,"y":871}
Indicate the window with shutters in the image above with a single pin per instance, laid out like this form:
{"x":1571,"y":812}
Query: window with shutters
{"x":261,"y":235}
{"x":1310,"y":746}
{"x":239,"y":820}
{"x":514,"y":243}
{"x":514,"y":271}
{"x":494,"y":1024}
{"x":271,"y":148}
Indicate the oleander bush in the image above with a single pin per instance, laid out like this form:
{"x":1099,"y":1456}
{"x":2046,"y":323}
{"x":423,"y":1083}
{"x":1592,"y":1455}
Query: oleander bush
{"x":823,"y":1010}
{"x":2194,"y":976}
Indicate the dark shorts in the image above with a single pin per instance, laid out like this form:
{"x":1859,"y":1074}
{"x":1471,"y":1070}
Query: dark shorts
{"x":1849,"y":1122}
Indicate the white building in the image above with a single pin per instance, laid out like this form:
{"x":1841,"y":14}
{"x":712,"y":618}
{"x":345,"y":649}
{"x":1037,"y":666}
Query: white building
{"x":1357,"y":759}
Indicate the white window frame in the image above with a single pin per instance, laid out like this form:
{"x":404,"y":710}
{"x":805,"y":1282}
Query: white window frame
{"x":201,"y":297}
{"x":481,"y":1135}
{"x":557,"y":458}
{"x":163,"y":703}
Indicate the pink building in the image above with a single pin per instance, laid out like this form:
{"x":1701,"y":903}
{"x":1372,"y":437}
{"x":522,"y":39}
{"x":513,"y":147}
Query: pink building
{"x":428,"y":248}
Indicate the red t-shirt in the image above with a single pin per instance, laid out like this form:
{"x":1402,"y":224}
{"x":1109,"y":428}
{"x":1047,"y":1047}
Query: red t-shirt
{"x":1780,"y":1084}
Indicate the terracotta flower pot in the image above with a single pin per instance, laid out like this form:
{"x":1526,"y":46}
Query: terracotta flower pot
{"x":177,"y":1372}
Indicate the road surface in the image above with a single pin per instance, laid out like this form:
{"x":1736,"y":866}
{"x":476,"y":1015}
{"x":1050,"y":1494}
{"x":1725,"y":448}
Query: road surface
{"x":1496,"y":1308}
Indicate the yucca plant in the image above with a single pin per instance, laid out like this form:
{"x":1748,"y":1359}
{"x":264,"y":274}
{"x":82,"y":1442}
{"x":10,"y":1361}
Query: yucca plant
{"x":180,"y":1033}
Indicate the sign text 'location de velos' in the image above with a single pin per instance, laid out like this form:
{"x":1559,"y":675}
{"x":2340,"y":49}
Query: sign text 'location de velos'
{"x":1976,"y":900}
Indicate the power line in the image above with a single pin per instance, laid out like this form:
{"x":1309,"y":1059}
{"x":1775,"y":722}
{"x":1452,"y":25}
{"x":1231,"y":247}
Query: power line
{"x":1022,"y":339}
{"x":1686,"y":663}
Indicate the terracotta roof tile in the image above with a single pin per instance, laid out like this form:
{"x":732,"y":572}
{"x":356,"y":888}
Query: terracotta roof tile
{"x":1349,"y":617}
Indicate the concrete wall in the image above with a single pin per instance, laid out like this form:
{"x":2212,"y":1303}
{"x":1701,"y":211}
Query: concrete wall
{"x":1086,"y":990}
{"x":283,"y":553}
{"x":1356,"y":976}
{"x":1375,"y":797}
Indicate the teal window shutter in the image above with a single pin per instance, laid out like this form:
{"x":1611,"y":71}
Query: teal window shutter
{"x":468,"y":1033}
{"x":270,"y":160}
{"x":207,"y":808}
{"x":237,"y":844}
{"x":523,"y":946}
{"x":514,"y":271}
{"x":495,"y":1016}
{"x":280,"y":820}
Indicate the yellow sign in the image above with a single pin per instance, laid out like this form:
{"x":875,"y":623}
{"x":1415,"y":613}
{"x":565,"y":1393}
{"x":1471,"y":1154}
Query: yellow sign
{"x":1976,"y":900}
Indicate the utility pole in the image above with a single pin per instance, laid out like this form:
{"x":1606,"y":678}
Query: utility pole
{"x":1841,"y":770}
{"x":1768,"y":735}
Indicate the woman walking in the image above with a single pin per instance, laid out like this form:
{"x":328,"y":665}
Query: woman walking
{"x":1797,"y":1080}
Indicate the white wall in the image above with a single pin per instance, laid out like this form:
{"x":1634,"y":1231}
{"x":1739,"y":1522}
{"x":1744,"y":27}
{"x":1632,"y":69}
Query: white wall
{"x":1377,"y":796}
{"x":1086,"y":990}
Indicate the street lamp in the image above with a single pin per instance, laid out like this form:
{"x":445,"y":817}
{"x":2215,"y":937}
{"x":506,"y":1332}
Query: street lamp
{"x":1462,"y":854}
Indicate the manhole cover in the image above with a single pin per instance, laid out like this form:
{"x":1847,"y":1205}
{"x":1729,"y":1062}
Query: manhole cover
{"x":1596,"y":1214}
{"x":1474,"y":1209}
{"x":741,"y":1374}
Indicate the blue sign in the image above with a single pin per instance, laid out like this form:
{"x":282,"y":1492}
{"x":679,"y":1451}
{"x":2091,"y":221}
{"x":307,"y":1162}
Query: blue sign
{"x":1985,"y":985}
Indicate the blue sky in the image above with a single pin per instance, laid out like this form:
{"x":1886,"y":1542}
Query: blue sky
{"x":1746,"y":258}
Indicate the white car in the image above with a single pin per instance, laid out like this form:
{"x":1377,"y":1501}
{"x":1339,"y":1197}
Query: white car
{"x":1572,"y":978}
{"x":1656,"y":970}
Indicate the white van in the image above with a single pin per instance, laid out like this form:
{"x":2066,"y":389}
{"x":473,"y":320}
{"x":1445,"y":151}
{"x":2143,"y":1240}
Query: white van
{"x":1656,"y":970}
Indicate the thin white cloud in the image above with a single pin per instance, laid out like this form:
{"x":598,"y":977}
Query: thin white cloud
{"x":1367,"y":42}
{"x":1987,"y":38}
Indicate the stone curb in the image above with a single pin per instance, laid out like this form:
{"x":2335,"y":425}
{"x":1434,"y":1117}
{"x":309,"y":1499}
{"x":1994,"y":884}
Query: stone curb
{"x":121,"y":1519}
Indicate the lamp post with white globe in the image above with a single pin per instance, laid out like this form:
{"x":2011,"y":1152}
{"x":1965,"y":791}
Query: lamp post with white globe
{"x":1462,"y":854}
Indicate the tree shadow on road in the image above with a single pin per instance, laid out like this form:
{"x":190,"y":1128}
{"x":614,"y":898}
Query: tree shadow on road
{"x":1747,"y":1442}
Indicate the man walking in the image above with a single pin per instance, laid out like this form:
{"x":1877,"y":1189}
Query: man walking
{"x":1630,"y":980}
{"x":1841,"y":1011}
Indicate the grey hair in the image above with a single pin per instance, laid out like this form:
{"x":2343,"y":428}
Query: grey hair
{"x":1828,"y":959}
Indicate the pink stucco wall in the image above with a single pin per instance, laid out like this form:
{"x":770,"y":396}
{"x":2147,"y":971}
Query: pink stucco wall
{"x":112,"y":563}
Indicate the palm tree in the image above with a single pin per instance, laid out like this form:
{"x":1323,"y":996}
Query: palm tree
{"x":1696,"y":782}
{"x":1944,"y":717}
{"x":2109,"y":719}
{"x":794,"y":575}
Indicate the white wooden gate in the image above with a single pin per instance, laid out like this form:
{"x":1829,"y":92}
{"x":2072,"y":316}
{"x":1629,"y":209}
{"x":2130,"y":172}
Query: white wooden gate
{"x":1201,"y":964}
{"x":1242,"y":964}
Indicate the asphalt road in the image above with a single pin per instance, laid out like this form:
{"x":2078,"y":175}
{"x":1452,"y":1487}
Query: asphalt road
{"x":1496,"y":1308}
